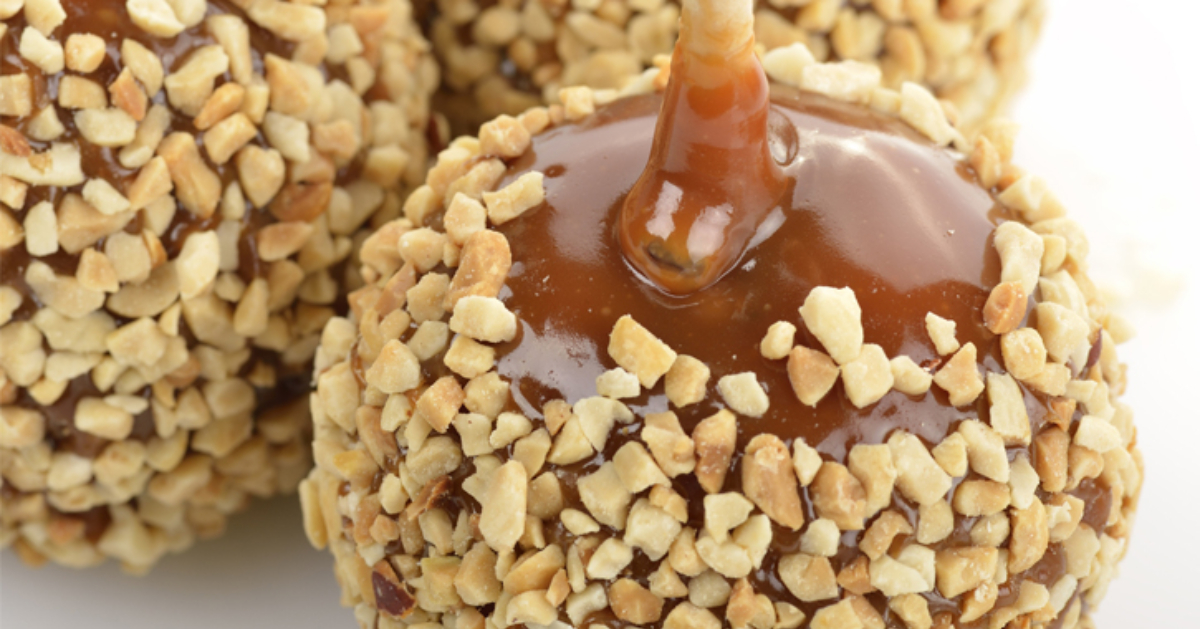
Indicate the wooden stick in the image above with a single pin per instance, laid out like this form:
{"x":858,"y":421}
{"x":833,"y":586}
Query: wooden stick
{"x":717,"y":28}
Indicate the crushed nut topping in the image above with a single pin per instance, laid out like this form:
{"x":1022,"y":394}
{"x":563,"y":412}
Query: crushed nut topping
{"x":636,"y":541}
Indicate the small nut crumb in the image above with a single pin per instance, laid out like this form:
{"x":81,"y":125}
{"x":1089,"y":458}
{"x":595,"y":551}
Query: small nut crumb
{"x":483,"y":266}
{"x":1009,"y":417}
{"x":715,"y":438}
{"x":835,"y":318}
{"x":908,"y":377}
{"x":975,"y":498}
{"x":951,"y":455}
{"x":808,"y":578}
{"x":633,"y":603}
{"x":838,"y":496}
{"x":618,"y":384}
{"x":198,"y":263}
{"x":872,"y":466}
{"x":913,"y":610}
{"x":395,"y":370}
{"x":806,"y":460}
{"x":94,"y":416}
{"x":1030,"y":537}
{"x":502,"y":520}
{"x":686,"y":381}
{"x":509,"y":428}
{"x":106,"y":127}
{"x":637,"y":468}
{"x":985,"y":450}
{"x":1063,"y":331}
{"x":917,"y":474}
{"x":128,"y":96}
{"x":894,"y":578}
{"x":878,"y":538}
{"x":578,"y":522}
{"x":504,"y":136}
{"x":609,"y":559}
{"x":16,"y":95}
{"x":744,"y":394}
{"x":468,"y":358}
{"x":1024,"y":353}
{"x":1097,"y":434}
{"x":597,"y":416}
{"x":811,"y":373}
{"x":484,"y":319}
{"x":651,"y":529}
{"x":577,"y":102}
{"x":960,"y":570}
{"x":605,"y":496}
{"x":1020,"y":254}
{"x":146,"y":66}
{"x":1005,"y":308}
{"x":868,"y":377}
{"x":942,"y":332}
{"x":822,"y":538}
{"x":155,"y":17}
{"x":960,"y":377}
{"x":639,"y":352}
{"x":84,"y":52}
{"x":778,"y":341}
{"x":439,"y":404}
{"x":197,"y":187}
{"x":1050,"y":454}
{"x":523,"y":194}
{"x":672,"y":448}
{"x":41,"y":230}
{"x":42,"y":52}
{"x":688,"y":616}
{"x":919,"y":108}
{"x":935,"y":522}
{"x":769,"y":480}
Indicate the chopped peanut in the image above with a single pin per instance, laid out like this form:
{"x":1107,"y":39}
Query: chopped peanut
{"x":834,"y":317}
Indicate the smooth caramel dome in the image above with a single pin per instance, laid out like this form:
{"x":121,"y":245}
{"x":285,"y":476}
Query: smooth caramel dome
{"x":874,"y":207}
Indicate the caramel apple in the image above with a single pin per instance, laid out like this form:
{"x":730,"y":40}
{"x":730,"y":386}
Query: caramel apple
{"x":181,"y":185}
{"x":723,"y":351}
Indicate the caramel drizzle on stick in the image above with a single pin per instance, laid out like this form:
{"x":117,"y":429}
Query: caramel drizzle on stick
{"x":711,"y":179}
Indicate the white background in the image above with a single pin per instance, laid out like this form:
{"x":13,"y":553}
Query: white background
{"x":1111,"y":120}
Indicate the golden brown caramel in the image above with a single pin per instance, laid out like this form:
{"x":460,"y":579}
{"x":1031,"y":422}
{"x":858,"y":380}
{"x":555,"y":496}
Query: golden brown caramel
{"x":907,"y":245}
{"x":711,"y":179}
{"x":874,"y":207}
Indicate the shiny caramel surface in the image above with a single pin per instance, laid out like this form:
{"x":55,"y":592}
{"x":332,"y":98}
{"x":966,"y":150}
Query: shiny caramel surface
{"x":874,"y":207}
{"x":714,"y":172}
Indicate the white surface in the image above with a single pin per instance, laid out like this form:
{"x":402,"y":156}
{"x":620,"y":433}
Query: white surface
{"x":1111,"y":120}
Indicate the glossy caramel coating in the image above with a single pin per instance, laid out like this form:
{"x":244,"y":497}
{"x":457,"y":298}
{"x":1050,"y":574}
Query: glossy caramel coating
{"x":891,"y":486}
{"x":711,"y":178}
{"x":875,"y":207}
{"x":933,"y":251}
{"x":929,"y":251}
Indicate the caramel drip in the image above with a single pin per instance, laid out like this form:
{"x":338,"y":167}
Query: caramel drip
{"x":711,"y":179}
